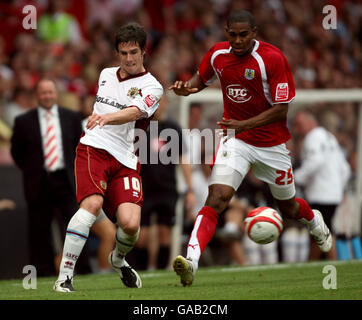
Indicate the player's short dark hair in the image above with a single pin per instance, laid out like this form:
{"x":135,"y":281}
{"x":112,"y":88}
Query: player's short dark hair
{"x":131,"y":32}
{"x":240,"y":16}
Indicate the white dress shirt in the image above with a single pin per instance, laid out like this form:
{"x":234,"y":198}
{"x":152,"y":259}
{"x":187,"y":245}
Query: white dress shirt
{"x":42,"y":113}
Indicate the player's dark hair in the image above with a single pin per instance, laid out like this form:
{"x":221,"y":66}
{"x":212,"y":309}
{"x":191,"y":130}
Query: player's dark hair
{"x":240,"y":16}
{"x":131,"y":32}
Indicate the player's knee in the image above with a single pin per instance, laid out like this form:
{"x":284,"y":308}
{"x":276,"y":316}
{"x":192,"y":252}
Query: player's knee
{"x":93,"y":204}
{"x":130,"y":227}
{"x":218,"y":198}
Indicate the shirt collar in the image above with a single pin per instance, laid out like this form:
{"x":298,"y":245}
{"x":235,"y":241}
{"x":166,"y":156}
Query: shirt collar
{"x":53,"y":110}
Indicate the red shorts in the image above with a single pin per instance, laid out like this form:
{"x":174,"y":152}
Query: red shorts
{"x":98,"y":172}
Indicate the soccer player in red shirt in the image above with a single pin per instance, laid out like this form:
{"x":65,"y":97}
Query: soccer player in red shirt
{"x":257,"y":85}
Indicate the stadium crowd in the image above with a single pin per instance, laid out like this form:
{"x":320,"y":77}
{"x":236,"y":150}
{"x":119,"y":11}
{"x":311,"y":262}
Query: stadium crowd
{"x":180,"y":32}
{"x":72,"y":44}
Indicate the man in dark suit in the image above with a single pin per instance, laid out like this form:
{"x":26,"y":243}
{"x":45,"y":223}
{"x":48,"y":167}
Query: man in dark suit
{"x":43,"y":147}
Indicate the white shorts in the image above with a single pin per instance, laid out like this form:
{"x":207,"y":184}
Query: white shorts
{"x":272,"y":165}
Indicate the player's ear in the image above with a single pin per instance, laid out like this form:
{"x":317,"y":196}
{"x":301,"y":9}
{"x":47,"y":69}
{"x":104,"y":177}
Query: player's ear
{"x":254,"y":31}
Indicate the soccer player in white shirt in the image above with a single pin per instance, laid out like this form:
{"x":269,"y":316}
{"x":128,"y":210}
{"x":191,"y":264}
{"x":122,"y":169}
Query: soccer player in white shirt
{"x":106,"y":168}
{"x":324,"y":171}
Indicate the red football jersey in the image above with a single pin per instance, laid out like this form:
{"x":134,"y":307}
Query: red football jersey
{"x":250,"y":85}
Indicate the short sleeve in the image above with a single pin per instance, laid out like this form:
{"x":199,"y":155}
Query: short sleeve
{"x":280,"y":79}
{"x":148,"y":99}
{"x":206,"y":71}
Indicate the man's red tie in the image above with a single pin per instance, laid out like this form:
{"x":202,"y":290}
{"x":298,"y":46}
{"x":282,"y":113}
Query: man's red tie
{"x":51,"y":149}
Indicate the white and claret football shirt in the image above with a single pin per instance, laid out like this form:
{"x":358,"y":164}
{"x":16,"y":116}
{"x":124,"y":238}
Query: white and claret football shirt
{"x":250,"y":85}
{"x":114,"y":94}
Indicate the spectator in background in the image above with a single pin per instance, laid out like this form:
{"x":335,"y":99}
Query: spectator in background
{"x":324,"y":172}
{"x":22,"y":102}
{"x":58,"y":26}
{"x":43,"y":147}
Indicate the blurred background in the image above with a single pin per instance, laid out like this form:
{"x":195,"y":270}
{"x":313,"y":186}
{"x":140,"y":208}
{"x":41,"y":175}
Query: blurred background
{"x":73,"y":42}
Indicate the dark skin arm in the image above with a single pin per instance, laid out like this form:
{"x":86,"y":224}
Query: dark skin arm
{"x":185,"y":88}
{"x":276,"y":113}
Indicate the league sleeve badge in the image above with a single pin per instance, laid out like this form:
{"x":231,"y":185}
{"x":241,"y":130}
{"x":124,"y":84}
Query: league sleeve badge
{"x":149,"y":100}
{"x":281,"y":92}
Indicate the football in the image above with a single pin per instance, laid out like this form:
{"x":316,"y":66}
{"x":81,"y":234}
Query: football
{"x":263,"y":225}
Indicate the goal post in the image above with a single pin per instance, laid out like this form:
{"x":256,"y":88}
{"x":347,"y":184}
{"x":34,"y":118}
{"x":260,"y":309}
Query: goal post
{"x":304,"y":98}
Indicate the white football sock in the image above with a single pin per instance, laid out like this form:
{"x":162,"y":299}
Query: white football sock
{"x":76,"y":236}
{"x":124,"y":244}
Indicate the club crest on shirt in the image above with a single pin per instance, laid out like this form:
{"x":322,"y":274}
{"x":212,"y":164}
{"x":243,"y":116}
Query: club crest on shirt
{"x":225,"y":154}
{"x":282,"y":92}
{"x":133,"y":92}
{"x":249,"y":74}
{"x":103,"y":184}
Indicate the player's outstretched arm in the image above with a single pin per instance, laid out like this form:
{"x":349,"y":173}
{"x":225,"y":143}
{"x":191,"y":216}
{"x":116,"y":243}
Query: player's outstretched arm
{"x":185,"y":88}
{"x":129,"y":114}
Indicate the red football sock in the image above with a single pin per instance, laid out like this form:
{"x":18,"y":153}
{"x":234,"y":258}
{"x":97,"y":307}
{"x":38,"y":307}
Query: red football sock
{"x":204,"y":229}
{"x":305,"y":211}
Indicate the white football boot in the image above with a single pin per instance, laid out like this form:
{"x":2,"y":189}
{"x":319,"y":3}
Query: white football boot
{"x":64,"y":285}
{"x":185,"y":269}
{"x":128,"y":275}
{"x":321,"y":234}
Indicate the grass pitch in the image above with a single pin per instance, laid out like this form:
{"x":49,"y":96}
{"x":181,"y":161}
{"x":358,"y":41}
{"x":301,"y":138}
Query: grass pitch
{"x":276,"y":282}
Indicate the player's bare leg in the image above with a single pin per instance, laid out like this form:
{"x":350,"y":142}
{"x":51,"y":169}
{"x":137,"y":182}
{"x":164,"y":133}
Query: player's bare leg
{"x":128,"y":219}
{"x":106,"y":232}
